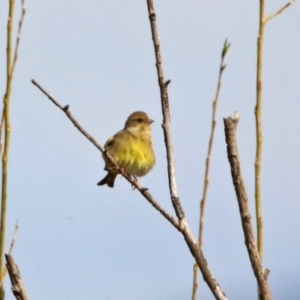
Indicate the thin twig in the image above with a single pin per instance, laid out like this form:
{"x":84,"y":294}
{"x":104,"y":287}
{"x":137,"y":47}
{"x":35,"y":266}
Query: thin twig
{"x":279,"y":11}
{"x":13,"y":240}
{"x":207,"y":164}
{"x":142,"y":190}
{"x":163,"y":85}
{"x":14,"y":62}
{"x":210,"y":143}
{"x":259,"y":136}
{"x":195,"y":280}
{"x":230,"y":125}
{"x":18,"y":35}
{"x":180,"y":226}
{"x":17,"y":286}
{"x":66,"y":110}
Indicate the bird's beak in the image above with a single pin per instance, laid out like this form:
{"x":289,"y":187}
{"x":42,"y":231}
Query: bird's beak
{"x":149,"y":121}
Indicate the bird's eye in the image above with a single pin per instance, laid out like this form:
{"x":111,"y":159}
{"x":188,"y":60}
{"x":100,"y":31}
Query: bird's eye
{"x":140,"y":120}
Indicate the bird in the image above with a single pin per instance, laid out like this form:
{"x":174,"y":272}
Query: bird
{"x":131,"y":149}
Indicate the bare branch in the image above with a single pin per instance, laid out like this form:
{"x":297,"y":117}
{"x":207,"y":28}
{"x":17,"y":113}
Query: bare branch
{"x":230,"y":125}
{"x":5,"y":122}
{"x":207,"y":163}
{"x":210,"y":143}
{"x":279,"y":11}
{"x":163,"y":85}
{"x":13,"y":240}
{"x":15,"y":278}
{"x":66,"y":110}
{"x":18,"y":36}
{"x":258,"y":127}
{"x":201,"y":262}
{"x":7,"y":130}
{"x":258,"y":118}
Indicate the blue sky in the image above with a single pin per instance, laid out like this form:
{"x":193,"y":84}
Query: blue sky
{"x":81,"y":241}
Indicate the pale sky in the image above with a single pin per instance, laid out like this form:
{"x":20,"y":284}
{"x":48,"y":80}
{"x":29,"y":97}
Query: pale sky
{"x":81,"y":241}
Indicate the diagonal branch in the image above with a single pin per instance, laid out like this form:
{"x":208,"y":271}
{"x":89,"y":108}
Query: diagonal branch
{"x":13,"y":240}
{"x":279,"y":11}
{"x":181,"y":226}
{"x":18,"y":36}
{"x":65,"y":109}
{"x":207,"y":164}
{"x":142,"y":190}
{"x":230,"y":125}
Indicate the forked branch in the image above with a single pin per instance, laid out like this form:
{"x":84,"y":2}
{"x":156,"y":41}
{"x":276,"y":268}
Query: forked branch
{"x":142,"y":190}
{"x":181,"y":226}
{"x":163,"y":86}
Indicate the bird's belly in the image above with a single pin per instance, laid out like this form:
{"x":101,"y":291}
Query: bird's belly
{"x":137,"y":160}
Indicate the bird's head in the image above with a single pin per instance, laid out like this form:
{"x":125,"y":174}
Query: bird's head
{"x":138,"y":121}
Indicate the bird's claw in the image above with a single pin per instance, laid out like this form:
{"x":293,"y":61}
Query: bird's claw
{"x":135,"y":183}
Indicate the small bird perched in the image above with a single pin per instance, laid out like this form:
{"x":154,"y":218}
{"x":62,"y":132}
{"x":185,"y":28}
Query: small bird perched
{"x":131,"y":148}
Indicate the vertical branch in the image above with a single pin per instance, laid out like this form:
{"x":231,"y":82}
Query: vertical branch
{"x":258,"y":121}
{"x":20,"y":25}
{"x":207,"y":164}
{"x":183,"y":226}
{"x":6,"y":130}
{"x":163,"y":85}
{"x":5,"y":121}
{"x":259,"y":137}
{"x":258,"y":113}
{"x":210,"y":143}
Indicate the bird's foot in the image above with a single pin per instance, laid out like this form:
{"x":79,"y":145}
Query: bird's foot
{"x":122,"y":170}
{"x":135,"y":183}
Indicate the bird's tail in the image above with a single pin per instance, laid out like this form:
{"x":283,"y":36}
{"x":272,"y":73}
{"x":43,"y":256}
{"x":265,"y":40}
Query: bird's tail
{"x":109,"y":179}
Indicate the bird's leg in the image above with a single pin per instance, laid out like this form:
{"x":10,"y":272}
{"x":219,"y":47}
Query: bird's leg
{"x":135,"y":184}
{"x":122,"y":170}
